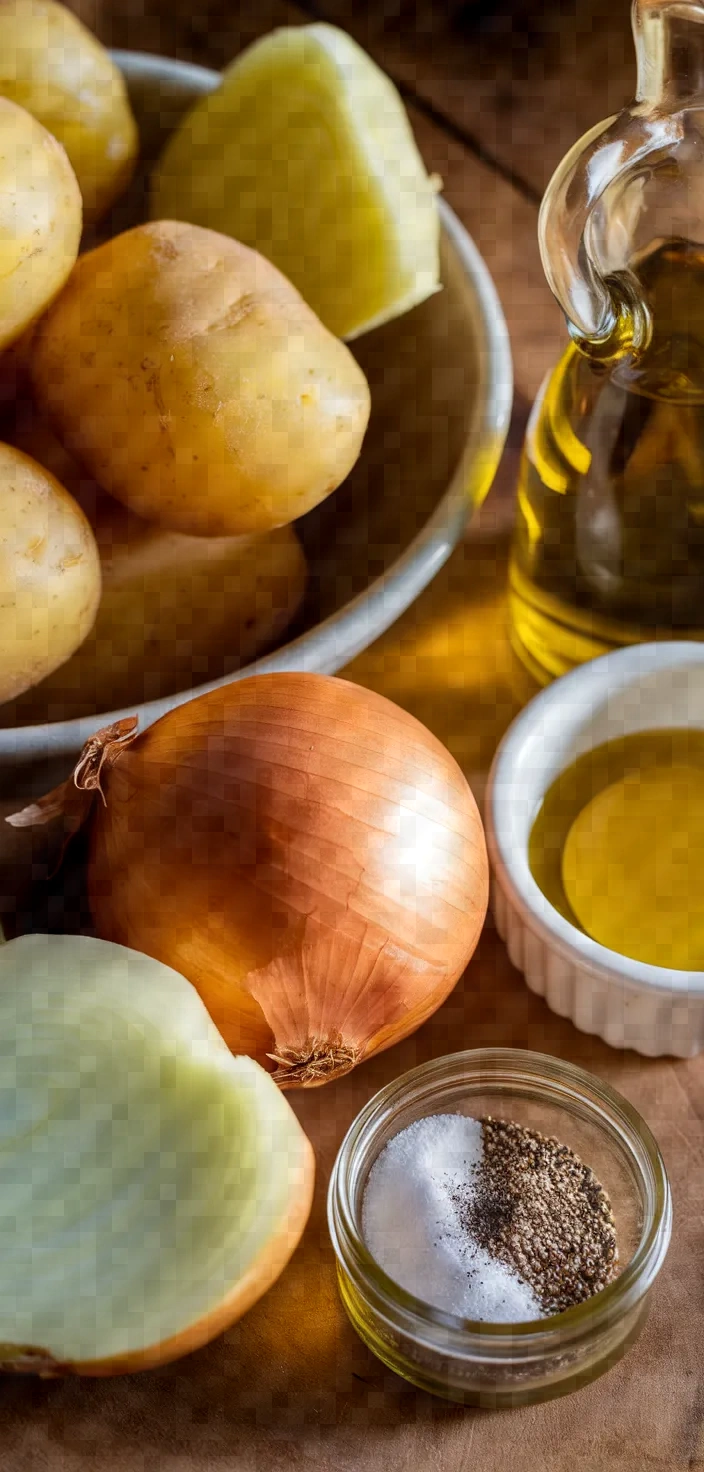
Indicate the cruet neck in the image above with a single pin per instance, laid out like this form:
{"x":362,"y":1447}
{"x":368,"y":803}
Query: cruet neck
{"x":633,"y":182}
{"x":669,"y":37}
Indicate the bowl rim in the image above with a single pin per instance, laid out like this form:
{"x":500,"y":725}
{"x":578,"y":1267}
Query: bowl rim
{"x":336,"y":640}
{"x":567,"y":701}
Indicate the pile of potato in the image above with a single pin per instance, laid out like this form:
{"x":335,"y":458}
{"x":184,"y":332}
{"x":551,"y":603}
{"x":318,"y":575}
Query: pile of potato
{"x":171,"y":406}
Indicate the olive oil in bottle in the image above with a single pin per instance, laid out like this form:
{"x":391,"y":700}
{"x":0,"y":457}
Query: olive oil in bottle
{"x":609,"y":543}
{"x":617,"y":846}
{"x":609,"y":548}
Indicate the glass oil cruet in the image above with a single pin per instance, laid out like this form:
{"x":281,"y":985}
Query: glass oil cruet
{"x":609,"y":541}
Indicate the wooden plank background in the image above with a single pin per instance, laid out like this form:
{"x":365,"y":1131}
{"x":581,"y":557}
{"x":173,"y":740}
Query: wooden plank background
{"x":496,"y":93}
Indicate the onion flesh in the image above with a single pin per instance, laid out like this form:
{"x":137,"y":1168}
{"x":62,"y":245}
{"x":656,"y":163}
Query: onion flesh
{"x":152,"y":1186}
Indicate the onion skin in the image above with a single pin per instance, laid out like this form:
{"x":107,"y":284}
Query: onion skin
{"x":307,"y":854}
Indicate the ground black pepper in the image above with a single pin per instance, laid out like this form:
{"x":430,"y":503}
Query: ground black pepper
{"x":538,"y":1209}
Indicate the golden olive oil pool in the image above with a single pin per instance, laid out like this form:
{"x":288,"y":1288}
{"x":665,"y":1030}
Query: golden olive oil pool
{"x":678,"y":892}
{"x":609,"y":544}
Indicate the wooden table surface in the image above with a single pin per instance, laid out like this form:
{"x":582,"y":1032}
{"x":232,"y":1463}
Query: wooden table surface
{"x":495,"y":104}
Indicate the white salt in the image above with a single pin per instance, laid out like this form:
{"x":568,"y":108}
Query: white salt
{"x":412,"y":1225}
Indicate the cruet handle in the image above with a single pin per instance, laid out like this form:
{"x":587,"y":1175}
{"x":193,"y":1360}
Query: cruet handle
{"x":593,"y":202}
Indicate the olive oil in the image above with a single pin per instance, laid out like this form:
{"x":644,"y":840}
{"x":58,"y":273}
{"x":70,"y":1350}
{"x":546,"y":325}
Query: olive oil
{"x":649,"y":904}
{"x":609,"y":543}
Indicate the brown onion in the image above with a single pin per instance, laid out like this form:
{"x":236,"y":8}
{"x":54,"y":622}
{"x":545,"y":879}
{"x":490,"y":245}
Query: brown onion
{"x":306,"y":853}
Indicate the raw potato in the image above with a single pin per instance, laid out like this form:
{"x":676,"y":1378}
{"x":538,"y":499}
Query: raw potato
{"x":52,"y":65}
{"x":175,"y":611}
{"x":305,"y":152}
{"x":49,"y":573}
{"x":40,"y":219}
{"x":195,"y":384}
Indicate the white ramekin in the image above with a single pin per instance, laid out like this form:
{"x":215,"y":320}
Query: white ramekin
{"x":630,"y":1005}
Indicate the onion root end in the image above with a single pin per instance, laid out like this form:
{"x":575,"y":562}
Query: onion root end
{"x":316,"y":1063}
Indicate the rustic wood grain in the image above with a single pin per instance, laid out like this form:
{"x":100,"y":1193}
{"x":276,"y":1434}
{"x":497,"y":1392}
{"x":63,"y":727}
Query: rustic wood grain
{"x":291,"y":1387}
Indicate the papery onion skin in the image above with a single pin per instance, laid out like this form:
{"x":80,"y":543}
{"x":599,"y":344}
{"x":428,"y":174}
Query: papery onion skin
{"x":307,"y":854}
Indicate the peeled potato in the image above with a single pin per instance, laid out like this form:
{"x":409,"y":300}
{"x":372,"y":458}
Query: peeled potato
{"x":40,"y":219}
{"x":305,"y":152}
{"x":195,"y":384}
{"x":49,"y":573}
{"x":175,"y":611}
{"x":52,"y":66}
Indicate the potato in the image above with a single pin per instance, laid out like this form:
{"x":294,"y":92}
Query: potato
{"x":40,"y":219}
{"x":49,"y":573}
{"x":195,"y":384}
{"x":52,"y":66}
{"x":175,"y":611}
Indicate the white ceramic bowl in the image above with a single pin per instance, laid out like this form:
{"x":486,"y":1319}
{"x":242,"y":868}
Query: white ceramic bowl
{"x":442,"y":392}
{"x":627,"y":1003}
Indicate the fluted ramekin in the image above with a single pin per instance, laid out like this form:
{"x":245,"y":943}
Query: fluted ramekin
{"x":627,"y":1003}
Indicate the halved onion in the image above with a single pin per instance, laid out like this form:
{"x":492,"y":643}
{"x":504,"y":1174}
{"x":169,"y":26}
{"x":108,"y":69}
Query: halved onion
{"x":152,"y":1186}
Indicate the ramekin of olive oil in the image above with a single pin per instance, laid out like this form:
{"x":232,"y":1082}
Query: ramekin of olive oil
{"x":617,"y":846}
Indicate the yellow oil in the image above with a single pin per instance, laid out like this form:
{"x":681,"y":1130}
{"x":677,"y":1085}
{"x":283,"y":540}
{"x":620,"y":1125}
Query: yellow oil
{"x":609,"y":543}
{"x":654,"y":912}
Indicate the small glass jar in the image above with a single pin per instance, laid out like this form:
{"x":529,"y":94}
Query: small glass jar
{"x":506,"y":1364}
